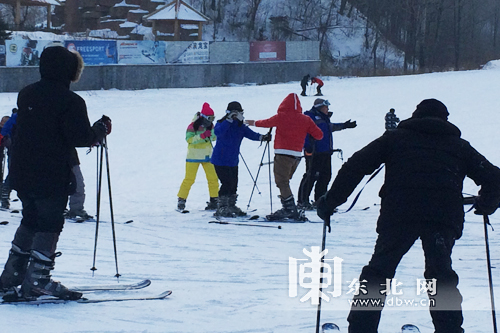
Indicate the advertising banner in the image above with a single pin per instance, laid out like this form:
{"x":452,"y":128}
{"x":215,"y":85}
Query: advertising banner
{"x":141,"y":52}
{"x":267,"y":51}
{"x":94,"y":52}
{"x":196,"y":53}
{"x":24,"y":52}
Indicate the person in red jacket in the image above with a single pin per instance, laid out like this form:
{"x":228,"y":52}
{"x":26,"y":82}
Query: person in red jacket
{"x":319,"y":83}
{"x":291,"y":129}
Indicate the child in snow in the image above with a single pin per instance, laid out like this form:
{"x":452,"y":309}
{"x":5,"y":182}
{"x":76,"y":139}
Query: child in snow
{"x":199,"y":136}
{"x":230,"y":131}
{"x":391,"y":120}
{"x":291,"y":129}
{"x":320,"y":84}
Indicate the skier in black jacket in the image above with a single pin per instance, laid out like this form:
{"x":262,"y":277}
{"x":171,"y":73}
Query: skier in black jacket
{"x":52,"y":121}
{"x":304,"y":83}
{"x":426,"y":162}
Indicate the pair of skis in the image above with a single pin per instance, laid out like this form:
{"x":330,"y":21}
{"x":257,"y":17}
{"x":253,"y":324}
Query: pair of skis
{"x":88,"y":289}
{"x":332,"y":328}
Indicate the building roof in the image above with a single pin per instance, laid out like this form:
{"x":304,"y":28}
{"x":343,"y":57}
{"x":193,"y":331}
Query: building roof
{"x":184,"y":13}
{"x":32,"y":2}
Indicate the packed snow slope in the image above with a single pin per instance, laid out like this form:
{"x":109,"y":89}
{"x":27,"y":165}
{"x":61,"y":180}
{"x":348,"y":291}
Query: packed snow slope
{"x":230,"y":278}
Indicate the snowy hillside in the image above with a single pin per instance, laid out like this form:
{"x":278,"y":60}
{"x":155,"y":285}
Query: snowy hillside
{"x":228,"y":278}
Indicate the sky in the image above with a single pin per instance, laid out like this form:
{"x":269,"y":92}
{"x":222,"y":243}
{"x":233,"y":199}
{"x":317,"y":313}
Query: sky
{"x":232,"y":278}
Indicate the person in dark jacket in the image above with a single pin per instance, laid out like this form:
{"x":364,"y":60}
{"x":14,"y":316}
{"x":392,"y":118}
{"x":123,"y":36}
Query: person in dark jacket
{"x":304,"y":83}
{"x":230,"y":131}
{"x":52,"y":120}
{"x":318,"y":154}
{"x":426,"y":162}
{"x":391,"y":120}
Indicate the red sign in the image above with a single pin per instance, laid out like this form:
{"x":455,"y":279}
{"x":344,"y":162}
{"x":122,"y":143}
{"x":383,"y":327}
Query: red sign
{"x":267,"y":51}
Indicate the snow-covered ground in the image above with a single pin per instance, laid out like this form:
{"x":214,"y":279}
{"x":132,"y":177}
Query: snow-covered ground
{"x":228,"y":278}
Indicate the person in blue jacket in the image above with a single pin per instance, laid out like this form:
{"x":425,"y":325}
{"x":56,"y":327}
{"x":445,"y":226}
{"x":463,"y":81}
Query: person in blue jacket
{"x":7,"y":133}
{"x":318,"y":154}
{"x":230,"y":131}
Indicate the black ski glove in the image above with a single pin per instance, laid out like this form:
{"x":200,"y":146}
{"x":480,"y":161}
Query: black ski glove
{"x":324,"y":211}
{"x":485,"y":206}
{"x":266,"y":137}
{"x":350,"y":124}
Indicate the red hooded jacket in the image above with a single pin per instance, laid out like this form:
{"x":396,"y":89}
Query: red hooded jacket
{"x":291,"y":127}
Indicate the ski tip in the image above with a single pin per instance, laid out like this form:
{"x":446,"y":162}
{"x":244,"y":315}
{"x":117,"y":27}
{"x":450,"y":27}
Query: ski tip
{"x":366,"y":208}
{"x":165,"y":294}
{"x":4,"y":222}
{"x":253,"y":217}
{"x":409,"y":328}
{"x":129,"y":221}
{"x":329,"y":327}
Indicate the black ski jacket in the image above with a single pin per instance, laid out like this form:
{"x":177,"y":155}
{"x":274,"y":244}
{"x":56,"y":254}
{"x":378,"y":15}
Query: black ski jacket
{"x":52,"y":121}
{"x":426,"y":162}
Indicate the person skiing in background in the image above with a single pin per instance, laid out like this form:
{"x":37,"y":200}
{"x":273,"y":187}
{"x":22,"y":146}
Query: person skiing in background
{"x":318,"y":154}
{"x":426,"y":162}
{"x":199,"y":136}
{"x":77,"y":200}
{"x":291,"y":129}
{"x":391,"y":120}
{"x":3,"y":148}
{"x":319,"y":83}
{"x":304,"y":83}
{"x":230,"y":131}
{"x":52,"y":120}
{"x":7,"y":132}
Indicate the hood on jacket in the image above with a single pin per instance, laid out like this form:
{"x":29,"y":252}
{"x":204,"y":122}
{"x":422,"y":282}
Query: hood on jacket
{"x":291,"y":104}
{"x":430,"y":125}
{"x":59,"y":64}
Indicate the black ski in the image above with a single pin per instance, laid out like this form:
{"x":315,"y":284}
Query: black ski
{"x":108,"y":287}
{"x":4,"y":222}
{"x":53,"y":300}
{"x":329,"y":327}
{"x":409,"y":328}
{"x":182,"y":211}
{"x":246,"y":224}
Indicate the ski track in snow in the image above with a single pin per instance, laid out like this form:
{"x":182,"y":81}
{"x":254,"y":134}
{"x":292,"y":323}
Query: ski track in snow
{"x":232,"y":278}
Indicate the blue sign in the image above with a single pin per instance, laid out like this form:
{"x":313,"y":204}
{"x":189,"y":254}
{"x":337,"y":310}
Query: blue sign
{"x":94,"y":52}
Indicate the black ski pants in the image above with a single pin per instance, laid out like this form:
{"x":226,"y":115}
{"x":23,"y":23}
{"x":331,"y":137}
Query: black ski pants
{"x":319,"y":172}
{"x":43,"y":214}
{"x":228,"y":177}
{"x":445,"y":305}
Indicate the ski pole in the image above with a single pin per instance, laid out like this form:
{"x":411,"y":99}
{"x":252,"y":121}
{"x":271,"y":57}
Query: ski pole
{"x":251,"y":176}
{"x":269,"y":166}
{"x":318,"y":315}
{"x":490,"y":279}
{"x":105,"y":144}
{"x":258,"y":171}
{"x":98,"y":204}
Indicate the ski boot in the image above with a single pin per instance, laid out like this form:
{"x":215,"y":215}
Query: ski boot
{"x":288,"y":212}
{"x":223,"y":207}
{"x":212,"y":204}
{"x":15,"y":269}
{"x":38,"y":280}
{"x":78,"y":213}
{"x":235,"y":210}
{"x":181,"y":204}
{"x":305,"y":206}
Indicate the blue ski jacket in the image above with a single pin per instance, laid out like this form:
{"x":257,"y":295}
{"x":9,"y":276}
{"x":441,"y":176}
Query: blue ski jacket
{"x":229,"y":137}
{"x":325,"y":145}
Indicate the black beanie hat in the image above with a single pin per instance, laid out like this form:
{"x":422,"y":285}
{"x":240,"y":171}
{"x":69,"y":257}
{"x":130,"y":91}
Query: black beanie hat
{"x":234,"y":106}
{"x":431,"y":108}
